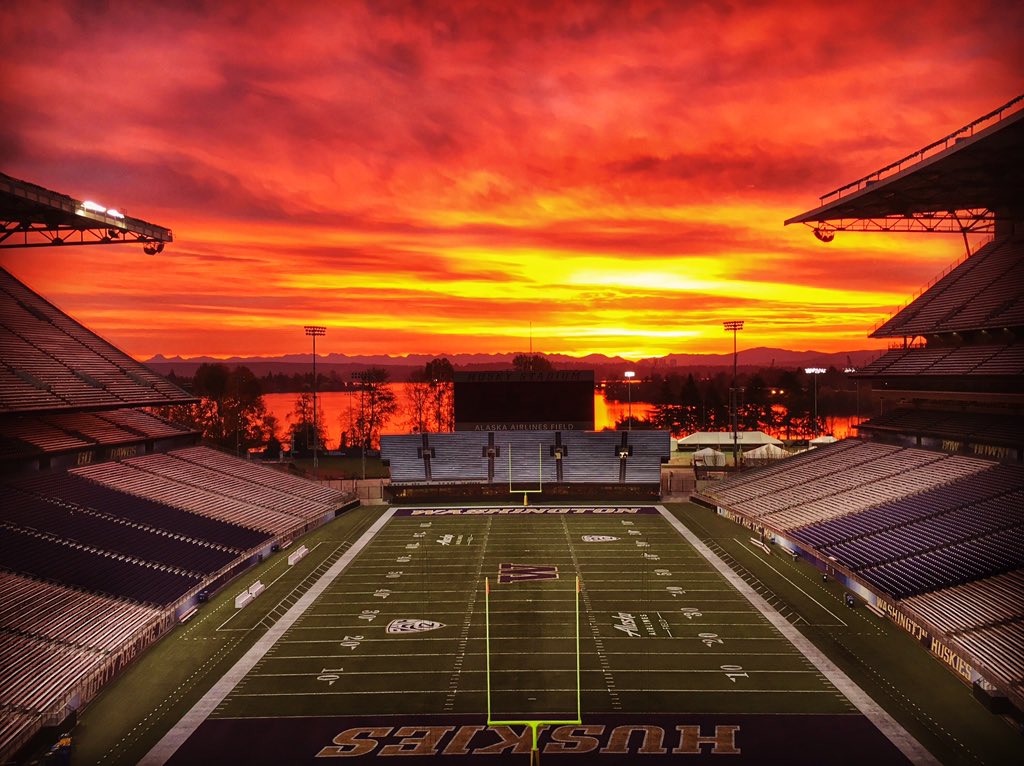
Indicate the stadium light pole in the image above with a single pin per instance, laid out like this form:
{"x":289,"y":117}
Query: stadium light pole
{"x":629,"y":396}
{"x":815,"y":371}
{"x":315,"y":331}
{"x":735,"y":326}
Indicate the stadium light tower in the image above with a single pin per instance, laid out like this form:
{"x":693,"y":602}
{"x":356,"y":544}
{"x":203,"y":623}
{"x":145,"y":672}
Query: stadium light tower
{"x":629,"y":395}
{"x":815,"y":371}
{"x":735,"y":326}
{"x":315,"y":332}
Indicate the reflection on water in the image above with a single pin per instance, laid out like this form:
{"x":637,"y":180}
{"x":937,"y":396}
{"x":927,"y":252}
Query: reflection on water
{"x":339,"y":406}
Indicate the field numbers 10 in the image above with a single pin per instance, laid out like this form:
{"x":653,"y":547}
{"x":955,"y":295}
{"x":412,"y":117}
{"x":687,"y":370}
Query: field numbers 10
{"x":732,"y":672}
{"x":330,"y":675}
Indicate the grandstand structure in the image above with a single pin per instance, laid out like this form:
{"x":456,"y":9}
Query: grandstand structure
{"x":114,"y":522}
{"x":502,"y":465}
{"x":923,"y":514}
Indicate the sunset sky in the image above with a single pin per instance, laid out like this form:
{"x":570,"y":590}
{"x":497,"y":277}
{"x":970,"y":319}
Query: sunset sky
{"x":433,"y":177}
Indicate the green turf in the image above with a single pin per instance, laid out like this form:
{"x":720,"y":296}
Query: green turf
{"x":914,"y":687}
{"x":338,"y":659}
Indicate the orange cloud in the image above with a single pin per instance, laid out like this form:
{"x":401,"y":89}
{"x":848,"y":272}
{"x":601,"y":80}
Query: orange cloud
{"x":436,"y":177}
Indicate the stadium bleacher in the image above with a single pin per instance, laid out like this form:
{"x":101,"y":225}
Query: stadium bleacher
{"x":985,"y":291}
{"x":982,"y":360}
{"x":52,"y":362}
{"x":99,"y":558}
{"x":72,"y":617}
{"x":29,"y":435}
{"x":587,"y":457}
{"x":912,"y":517}
{"x":76,"y":491}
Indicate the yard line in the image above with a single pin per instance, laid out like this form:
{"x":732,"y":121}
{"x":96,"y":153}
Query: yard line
{"x":420,"y":639}
{"x":812,"y":598}
{"x":433,"y":655}
{"x":885,"y":723}
{"x":478,"y":671}
{"x":363,"y":692}
{"x":183,"y":729}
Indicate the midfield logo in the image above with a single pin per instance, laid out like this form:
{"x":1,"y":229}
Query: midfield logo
{"x":510,"y":573}
{"x":412,"y":625}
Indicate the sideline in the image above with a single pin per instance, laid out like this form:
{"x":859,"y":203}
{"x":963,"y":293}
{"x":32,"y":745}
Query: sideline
{"x":812,"y":598}
{"x":183,"y":729}
{"x":884,"y":722}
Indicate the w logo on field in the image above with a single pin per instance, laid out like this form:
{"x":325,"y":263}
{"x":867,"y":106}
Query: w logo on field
{"x":510,"y":573}
{"x":410,"y":625}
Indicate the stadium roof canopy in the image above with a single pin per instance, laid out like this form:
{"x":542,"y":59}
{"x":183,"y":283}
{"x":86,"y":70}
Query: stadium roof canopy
{"x":959,"y":183}
{"x":31,"y":216}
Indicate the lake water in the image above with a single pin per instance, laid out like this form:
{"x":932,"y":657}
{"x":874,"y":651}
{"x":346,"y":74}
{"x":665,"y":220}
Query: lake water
{"x":338,"y":407}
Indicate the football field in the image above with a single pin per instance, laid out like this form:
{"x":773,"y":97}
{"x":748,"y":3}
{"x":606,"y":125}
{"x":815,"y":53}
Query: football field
{"x":441,"y":621}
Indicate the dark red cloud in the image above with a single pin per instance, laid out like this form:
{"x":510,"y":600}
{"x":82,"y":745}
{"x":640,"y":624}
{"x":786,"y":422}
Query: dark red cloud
{"x":423,"y":161}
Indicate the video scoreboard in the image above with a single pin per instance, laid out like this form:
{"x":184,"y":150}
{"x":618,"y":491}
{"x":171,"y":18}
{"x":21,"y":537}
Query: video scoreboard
{"x":508,"y":400}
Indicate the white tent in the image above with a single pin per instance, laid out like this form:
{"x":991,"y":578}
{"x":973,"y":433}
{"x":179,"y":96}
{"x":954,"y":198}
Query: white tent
{"x":766,"y":452}
{"x":709,"y":456}
{"x":724,"y":439}
{"x":823,"y":440}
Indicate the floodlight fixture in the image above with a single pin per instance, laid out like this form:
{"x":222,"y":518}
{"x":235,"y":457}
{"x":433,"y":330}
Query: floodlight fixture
{"x":315,"y":331}
{"x":824,"y":235}
{"x":815,"y":371}
{"x":735,"y":326}
{"x":629,"y":375}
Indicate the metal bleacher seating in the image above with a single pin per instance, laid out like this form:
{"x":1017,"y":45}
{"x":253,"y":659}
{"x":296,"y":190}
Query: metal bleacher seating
{"x":77,"y":491}
{"x":71,"y":617}
{"x":204,"y":502}
{"x":969,"y":527}
{"x":456,"y":457}
{"x":51,"y":362}
{"x":38,"y":673}
{"x":840,"y":481}
{"x":529,"y":454}
{"x":98,"y":562}
{"x":587,"y":457}
{"x":407,"y":466}
{"x":104,"y":532}
{"x":263,"y":476}
{"x":71,"y":563}
{"x":984,"y":291}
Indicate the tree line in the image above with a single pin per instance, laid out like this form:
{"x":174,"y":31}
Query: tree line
{"x":230,"y":410}
{"x":231,"y":413}
{"x":780,"y":400}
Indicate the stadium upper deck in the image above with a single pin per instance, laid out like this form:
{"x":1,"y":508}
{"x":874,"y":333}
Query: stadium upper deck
{"x":967,"y":181}
{"x":921,"y":523}
{"x":50,"y":362}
